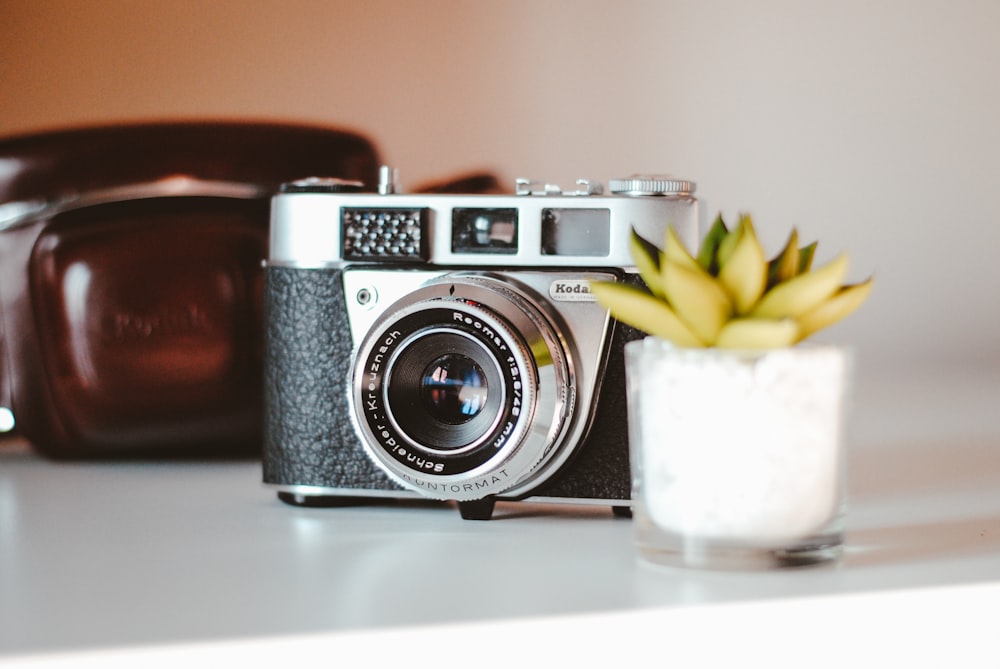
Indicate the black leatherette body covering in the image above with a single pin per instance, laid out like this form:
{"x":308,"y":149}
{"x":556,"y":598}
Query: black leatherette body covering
{"x":308,"y":436}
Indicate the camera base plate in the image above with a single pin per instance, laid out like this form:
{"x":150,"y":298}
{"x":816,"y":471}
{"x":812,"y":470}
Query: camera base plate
{"x":324,"y":501}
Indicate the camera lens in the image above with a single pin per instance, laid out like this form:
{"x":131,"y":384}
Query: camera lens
{"x":454,"y":389}
{"x":437,"y":390}
{"x":462,"y":388}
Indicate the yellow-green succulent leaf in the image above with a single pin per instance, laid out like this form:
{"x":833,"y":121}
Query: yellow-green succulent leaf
{"x":843,"y":303}
{"x":744,"y":274}
{"x":785,"y":265}
{"x":697,"y":299}
{"x":757,"y":333}
{"x":806,"y":254}
{"x":707,"y":253}
{"x":647,"y":258}
{"x":729,"y":295}
{"x":803,"y":293}
{"x":633,"y":306}
{"x":727,"y":246}
{"x":675,"y":251}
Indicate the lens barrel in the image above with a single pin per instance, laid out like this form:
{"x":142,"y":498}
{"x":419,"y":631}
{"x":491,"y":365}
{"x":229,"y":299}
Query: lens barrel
{"x":463,"y":389}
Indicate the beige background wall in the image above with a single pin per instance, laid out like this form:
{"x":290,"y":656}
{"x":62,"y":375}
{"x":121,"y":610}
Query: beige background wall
{"x":872,"y":125}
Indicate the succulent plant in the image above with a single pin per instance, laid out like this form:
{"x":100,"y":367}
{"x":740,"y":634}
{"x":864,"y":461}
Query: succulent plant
{"x":728,"y":295}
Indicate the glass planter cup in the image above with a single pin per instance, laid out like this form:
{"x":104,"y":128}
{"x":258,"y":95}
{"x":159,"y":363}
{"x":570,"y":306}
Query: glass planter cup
{"x":737,"y":456}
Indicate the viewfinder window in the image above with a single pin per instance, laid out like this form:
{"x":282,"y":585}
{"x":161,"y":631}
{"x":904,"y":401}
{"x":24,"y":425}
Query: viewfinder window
{"x":576,"y":232}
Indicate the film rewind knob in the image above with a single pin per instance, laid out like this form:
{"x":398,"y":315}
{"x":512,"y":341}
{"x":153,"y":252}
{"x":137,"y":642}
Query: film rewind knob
{"x":651,"y":185}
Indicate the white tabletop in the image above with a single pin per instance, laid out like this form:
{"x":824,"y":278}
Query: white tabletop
{"x":98,"y":557}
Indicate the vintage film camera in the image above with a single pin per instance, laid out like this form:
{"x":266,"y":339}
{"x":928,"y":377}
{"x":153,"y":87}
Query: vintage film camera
{"x":447,"y":346}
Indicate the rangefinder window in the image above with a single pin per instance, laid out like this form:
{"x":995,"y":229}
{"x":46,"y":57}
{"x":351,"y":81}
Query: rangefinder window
{"x":576,"y":232}
{"x":384,"y":234}
{"x":476,"y":230}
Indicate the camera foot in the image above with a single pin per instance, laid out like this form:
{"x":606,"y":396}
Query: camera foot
{"x":478,"y":509}
{"x":622,"y":511}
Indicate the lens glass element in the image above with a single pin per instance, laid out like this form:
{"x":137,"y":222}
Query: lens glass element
{"x":454,"y":389}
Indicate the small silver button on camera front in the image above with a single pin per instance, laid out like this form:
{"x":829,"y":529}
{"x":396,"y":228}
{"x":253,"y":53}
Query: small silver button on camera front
{"x":366,"y":297}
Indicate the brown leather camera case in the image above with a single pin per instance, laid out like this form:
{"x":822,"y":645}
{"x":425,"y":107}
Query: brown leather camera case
{"x":130,"y":280}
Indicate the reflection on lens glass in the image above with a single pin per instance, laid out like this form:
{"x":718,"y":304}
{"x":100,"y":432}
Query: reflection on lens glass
{"x":453,"y":389}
